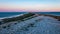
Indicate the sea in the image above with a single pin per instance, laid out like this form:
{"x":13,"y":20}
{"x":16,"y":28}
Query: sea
{"x":8,"y":14}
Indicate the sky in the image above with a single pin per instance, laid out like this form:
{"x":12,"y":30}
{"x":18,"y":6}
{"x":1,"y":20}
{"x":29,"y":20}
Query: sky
{"x":29,"y":5}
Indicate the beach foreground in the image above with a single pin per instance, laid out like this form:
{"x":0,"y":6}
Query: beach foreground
{"x":33,"y":24}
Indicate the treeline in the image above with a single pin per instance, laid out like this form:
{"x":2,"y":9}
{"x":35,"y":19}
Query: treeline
{"x":56,"y":17}
{"x":17,"y":18}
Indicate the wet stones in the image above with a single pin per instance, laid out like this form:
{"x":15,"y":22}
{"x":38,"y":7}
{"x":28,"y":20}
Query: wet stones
{"x":15,"y":23}
{"x":4,"y":26}
{"x":31,"y":25}
{"x":24,"y":28}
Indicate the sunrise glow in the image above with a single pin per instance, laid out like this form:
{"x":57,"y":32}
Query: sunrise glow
{"x":29,"y":5}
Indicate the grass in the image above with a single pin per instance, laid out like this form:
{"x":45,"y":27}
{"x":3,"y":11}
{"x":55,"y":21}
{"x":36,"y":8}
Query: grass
{"x":17,"y":18}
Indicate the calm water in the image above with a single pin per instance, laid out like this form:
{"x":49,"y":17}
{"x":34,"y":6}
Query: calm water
{"x":50,"y":13}
{"x":6,"y":14}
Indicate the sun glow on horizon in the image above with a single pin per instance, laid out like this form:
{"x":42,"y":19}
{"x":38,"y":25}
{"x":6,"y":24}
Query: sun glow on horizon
{"x":30,"y":5}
